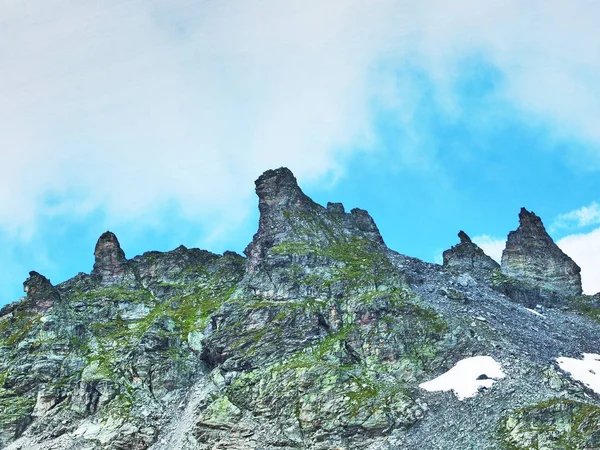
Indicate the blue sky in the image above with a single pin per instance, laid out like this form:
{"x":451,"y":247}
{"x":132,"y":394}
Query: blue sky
{"x":152,"y":119}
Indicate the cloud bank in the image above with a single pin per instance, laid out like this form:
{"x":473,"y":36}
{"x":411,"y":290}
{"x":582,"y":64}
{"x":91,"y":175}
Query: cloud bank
{"x":582,"y":217}
{"x":132,"y":109}
{"x":491,"y":245}
{"x":128,"y":106}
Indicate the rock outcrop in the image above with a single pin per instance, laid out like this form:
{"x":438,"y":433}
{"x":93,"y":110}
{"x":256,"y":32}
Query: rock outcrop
{"x":288,"y":216}
{"x":319,"y":339}
{"x":41,"y":295}
{"x":467,"y":257}
{"x":532,"y":256}
{"x":110,"y":261}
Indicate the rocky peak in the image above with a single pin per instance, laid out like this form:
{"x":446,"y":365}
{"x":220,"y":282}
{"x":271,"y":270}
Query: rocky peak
{"x":532,"y":256}
{"x":41,"y":295}
{"x":109,"y":265}
{"x":361,"y":220}
{"x":335,"y":208}
{"x":278,"y":189}
{"x":289,"y":215}
{"x":464,"y":237}
{"x":470,"y":258}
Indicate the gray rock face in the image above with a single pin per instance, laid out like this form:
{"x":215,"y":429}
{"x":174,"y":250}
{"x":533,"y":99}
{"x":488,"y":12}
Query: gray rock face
{"x":288,"y":215}
{"x":109,"y":265}
{"x":469,"y":258}
{"x":532,"y":256}
{"x":41,"y":295}
{"x":318,"y":340}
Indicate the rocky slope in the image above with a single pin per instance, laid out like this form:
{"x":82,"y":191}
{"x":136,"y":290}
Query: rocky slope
{"x":319,"y":338}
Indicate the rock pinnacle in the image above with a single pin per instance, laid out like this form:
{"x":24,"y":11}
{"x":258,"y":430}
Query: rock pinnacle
{"x":532,"y":256}
{"x":109,"y":259}
{"x":40,"y":292}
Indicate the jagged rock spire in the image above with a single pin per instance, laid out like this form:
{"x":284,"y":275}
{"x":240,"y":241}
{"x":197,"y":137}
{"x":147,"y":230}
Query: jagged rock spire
{"x":470,"y":258}
{"x":40,"y":292}
{"x":109,"y":265}
{"x":532,"y":256}
{"x":279,"y":189}
{"x":289,"y":215}
{"x":464,"y":237}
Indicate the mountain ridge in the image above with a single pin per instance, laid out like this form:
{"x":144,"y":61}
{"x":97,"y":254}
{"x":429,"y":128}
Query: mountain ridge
{"x":319,"y":338}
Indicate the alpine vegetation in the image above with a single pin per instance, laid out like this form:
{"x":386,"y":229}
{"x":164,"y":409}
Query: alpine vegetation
{"x":320,"y":337}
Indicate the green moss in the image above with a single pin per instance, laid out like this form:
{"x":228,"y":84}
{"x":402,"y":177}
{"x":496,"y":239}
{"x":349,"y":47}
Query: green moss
{"x":308,"y":304}
{"x":587,"y":305}
{"x":114,"y":293}
{"x":191,"y":311}
{"x":555,"y":424}
{"x":23,"y":330}
{"x":295,"y":248}
{"x":363,"y":265}
{"x":15,"y":327}
{"x":14,"y":409}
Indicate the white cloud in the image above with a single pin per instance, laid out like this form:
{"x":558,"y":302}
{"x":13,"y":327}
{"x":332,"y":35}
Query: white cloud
{"x":492,"y":246}
{"x":584,"y":249}
{"x":584,"y":216}
{"x":128,"y":106}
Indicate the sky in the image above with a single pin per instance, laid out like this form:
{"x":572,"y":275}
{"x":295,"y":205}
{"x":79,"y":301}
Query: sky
{"x":153,"y":118}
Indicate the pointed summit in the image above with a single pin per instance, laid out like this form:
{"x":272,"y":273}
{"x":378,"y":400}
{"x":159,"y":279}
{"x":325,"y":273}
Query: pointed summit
{"x":532,"y":256}
{"x":470,"y":258}
{"x":40,"y":292}
{"x":464,"y":237}
{"x":279,"y":188}
{"x":109,"y":259}
{"x":288,"y":215}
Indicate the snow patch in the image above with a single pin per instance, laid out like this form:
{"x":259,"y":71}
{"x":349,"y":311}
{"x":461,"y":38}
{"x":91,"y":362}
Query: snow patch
{"x":467,"y":376}
{"x":586,"y":370}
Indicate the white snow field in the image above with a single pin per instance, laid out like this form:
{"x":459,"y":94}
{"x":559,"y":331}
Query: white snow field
{"x":467,"y":376}
{"x":586,"y":370}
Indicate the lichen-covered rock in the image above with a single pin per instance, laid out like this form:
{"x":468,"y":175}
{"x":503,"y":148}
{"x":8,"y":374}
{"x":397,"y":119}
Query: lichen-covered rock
{"x":468,"y":257}
{"x":288,"y":216}
{"x":318,"y":340}
{"x":103,"y":363}
{"x":532,"y":256}
{"x":110,"y":261}
{"x":41,"y":295}
{"x":553,"y":424}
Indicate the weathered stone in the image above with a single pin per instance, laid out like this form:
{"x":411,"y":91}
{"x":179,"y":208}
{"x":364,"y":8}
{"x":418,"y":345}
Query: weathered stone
{"x":41,"y":295}
{"x":469,"y":258}
{"x":319,"y":341}
{"x":464,"y":237}
{"x":288,"y":215}
{"x":335,"y":208}
{"x":109,"y":265}
{"x":532,"y":256}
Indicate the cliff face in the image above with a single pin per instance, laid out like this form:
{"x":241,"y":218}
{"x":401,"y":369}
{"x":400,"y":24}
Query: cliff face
{"x":532,"y":256}
{"x":320,"y":338}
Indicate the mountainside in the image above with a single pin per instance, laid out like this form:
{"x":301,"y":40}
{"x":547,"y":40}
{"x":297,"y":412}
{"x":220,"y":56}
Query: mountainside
{"x":320,"y":338}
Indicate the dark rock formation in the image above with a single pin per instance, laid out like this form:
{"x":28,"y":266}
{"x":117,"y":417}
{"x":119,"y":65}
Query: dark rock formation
{"x":41,"y":295}
{"x":288,"y":215}
{"x":469,"y":258}
{"x":532,"y":256}
{"x":109,"y":266}
{"x":464,"y":237}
